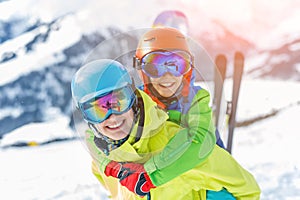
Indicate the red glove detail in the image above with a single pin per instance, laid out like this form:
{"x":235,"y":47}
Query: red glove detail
{"x":131,"y":175}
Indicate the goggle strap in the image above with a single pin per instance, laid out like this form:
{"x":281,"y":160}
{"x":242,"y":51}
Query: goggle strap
{"x":187,"y":82}
{"x":95,"y":131}
{"x":136,"y":63}
{"x":141,"y":108}
{"x":105,"y":144}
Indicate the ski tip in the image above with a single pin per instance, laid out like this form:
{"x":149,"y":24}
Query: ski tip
{"x":239,"y":55}
{"x":239,"y":59}
{"x":221,"y":63}
{"x":220,"y":60}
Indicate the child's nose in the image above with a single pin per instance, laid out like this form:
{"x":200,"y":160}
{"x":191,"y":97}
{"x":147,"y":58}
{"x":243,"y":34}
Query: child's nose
{"x":167,"y":75}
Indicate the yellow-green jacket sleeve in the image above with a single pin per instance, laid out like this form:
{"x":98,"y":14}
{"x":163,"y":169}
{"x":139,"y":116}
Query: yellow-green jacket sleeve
{"x":189,"y":147}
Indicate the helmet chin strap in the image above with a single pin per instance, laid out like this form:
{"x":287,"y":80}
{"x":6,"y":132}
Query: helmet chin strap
{"x":96,"y":132}
{"x":104,"y":143}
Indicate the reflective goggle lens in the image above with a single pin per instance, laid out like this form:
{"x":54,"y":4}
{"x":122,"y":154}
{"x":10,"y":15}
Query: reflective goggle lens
{"x":100,"y":108}
{"x":156,"y":64}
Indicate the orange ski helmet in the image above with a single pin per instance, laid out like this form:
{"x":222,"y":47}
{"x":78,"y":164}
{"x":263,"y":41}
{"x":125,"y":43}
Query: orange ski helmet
{"x":162,"y":39}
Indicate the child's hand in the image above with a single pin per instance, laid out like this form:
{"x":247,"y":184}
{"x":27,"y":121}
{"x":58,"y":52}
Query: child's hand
{"x":131,"y":175}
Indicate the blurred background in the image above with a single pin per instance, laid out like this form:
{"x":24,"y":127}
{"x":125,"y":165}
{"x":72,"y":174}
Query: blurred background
{"x":43,"y":43}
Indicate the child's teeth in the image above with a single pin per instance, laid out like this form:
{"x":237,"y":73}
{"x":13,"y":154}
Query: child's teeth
{"x":166,"y":84}
{"x":115,"y":125}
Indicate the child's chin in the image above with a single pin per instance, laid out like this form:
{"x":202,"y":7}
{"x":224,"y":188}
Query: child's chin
{"x":120,"y":135}
{"x":166,"y":94}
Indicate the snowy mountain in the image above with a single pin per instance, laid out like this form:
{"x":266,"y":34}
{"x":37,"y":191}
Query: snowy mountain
{"x":43,"y":43}
{"x":220,"y":39}
{"x":282,"y":62}
{"x":36,"y":70}
{"x":39,"y":57}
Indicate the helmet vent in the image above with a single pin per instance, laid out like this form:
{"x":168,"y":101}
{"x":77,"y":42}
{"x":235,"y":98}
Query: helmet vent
{"x":180,"y":37}
{"x":150,"y":39}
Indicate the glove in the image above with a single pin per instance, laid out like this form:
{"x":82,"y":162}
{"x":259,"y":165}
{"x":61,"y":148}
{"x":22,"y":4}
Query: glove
{"x":131,"y":175}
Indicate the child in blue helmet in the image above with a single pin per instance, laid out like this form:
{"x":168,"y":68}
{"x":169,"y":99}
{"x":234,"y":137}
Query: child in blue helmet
{"x":127,"y":127}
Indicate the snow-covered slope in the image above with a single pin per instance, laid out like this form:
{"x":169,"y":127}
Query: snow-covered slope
{"x":62,"y":170}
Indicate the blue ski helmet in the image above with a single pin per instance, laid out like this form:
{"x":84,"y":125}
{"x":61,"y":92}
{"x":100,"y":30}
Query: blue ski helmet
{"x":98,"y":77}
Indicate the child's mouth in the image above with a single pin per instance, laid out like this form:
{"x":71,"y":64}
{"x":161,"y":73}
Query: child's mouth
{"x":166,"y":85}
{"x":116,"y":125}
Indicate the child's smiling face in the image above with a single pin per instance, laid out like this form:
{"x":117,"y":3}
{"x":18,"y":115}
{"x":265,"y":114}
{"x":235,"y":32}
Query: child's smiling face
{"x":167,"y":84}
{"x":116,"y":126}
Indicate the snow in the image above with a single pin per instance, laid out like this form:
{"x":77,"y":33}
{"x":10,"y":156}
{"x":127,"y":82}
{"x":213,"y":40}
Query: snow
{"x":61,"y":170}
{"x":262,"y":97}
{"x":298,"y":68}
{"x":285,"y":31}
{"x":269,"y":150}
{"x":56,"y":171}
{"x":295,"y":46}
{"x":39,"y":132}
{"x":43,"y":55}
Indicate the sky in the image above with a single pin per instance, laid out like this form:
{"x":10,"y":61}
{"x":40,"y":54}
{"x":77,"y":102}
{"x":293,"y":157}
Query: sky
{"x":257,"y":20}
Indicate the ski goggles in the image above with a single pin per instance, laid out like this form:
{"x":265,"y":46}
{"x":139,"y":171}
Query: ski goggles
{"x":99,"y":108}
{"x":155,"y":64}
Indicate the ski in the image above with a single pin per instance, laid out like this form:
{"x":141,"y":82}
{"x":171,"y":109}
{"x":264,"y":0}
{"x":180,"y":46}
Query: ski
{"x":232,"y":106}
{"x":177,"y":19}
{"x":219,"y":77}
